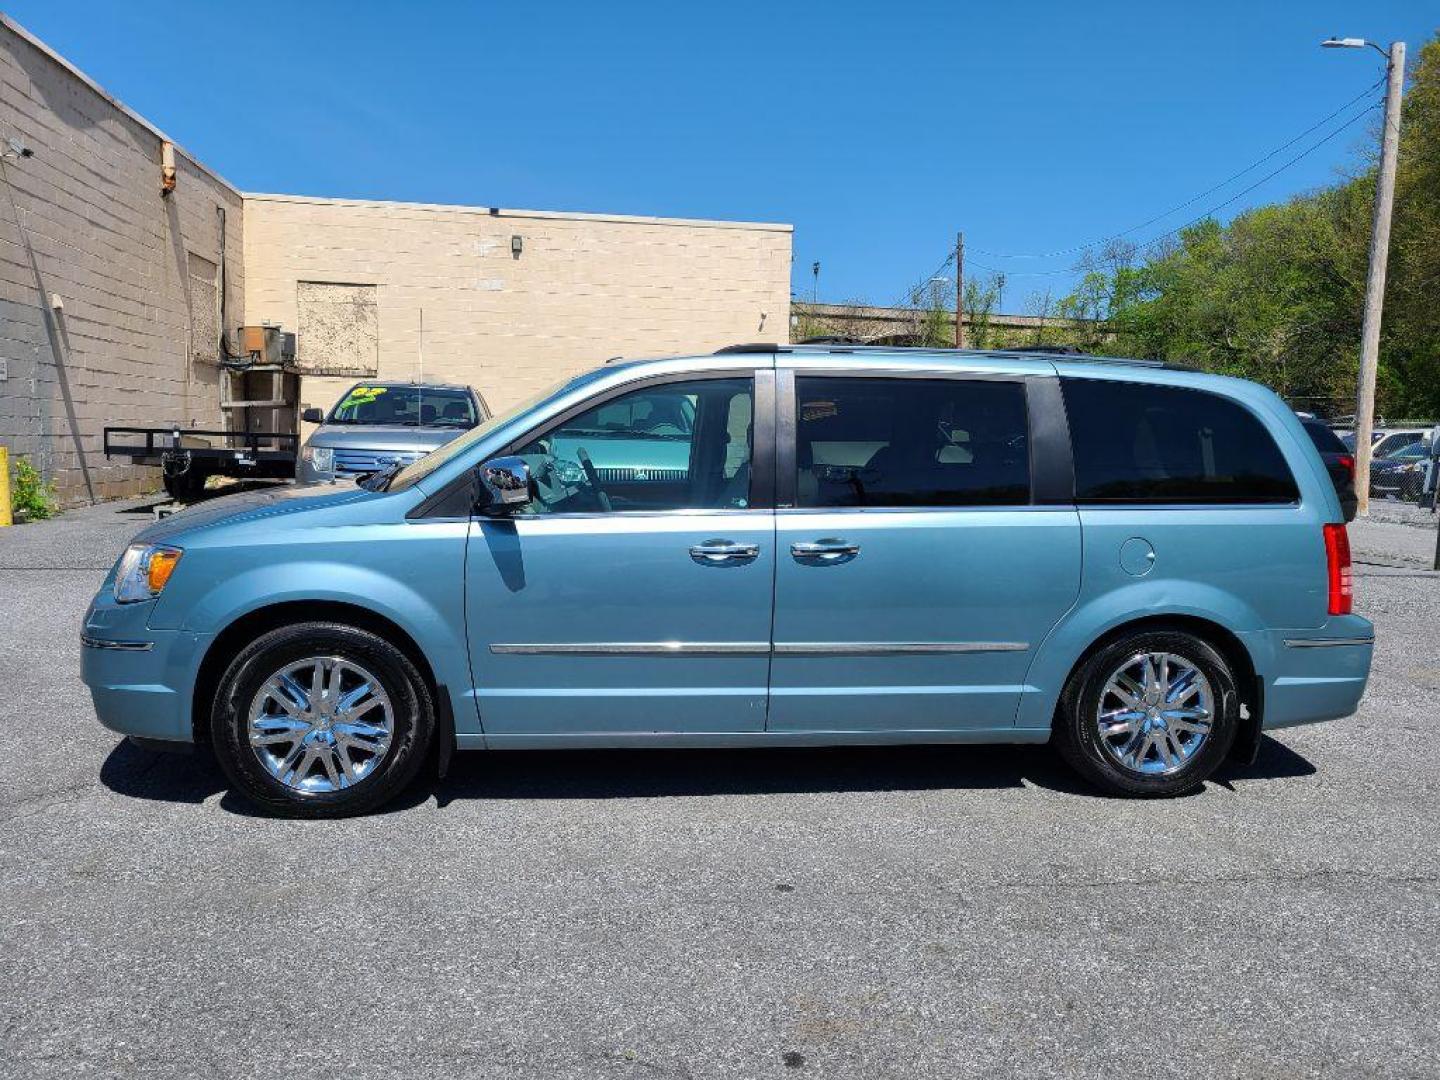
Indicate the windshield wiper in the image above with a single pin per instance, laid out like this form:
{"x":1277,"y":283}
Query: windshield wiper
{"x":380,"y":479}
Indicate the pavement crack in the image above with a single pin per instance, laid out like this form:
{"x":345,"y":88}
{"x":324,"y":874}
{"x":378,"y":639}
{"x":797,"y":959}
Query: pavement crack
{"x":1234,"y":879}
{"x":47,"y":800}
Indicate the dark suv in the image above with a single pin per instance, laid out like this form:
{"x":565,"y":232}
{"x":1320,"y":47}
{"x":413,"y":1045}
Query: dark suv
{"x":1339,"y":461}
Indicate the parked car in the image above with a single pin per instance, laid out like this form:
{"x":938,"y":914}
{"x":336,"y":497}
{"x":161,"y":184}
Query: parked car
{"x":376,"y":425}
{"x":1401,"y":473}
{"x":1393,"y":440}
{"x":1339,"y":461}
{"x":857,"y":546}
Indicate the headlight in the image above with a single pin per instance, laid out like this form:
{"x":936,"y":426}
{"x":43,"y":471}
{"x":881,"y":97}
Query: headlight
{"x":144,"y":570}
{"x":320,"y":458}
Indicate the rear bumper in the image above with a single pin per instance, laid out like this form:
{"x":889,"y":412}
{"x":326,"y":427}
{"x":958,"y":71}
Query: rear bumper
{"x":1318,"y":674}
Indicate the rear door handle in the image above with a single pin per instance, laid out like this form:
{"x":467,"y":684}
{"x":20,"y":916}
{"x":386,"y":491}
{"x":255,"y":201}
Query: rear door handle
{"x":825,"y":550}
{"x":720,"y":551}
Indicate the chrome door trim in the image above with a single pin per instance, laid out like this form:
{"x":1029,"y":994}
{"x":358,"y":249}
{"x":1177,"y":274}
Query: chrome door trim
{"x":636,"y":648}
{"x":1326,"y":643}
{"x":893,"y":648}
{"x":121,"y":646}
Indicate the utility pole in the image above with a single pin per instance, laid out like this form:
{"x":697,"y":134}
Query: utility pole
{"x":959,"y":290}
{"x":815,"y":285}
{"x":1379,"y":255}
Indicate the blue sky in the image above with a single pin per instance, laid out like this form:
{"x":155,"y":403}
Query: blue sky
{"x":876,"y":129}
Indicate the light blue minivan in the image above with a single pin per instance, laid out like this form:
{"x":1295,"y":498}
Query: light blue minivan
{"x":772,"y":545}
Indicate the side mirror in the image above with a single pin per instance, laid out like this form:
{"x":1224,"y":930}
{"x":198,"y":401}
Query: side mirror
{"x":313,"y":416}
{"x":507,"y":481}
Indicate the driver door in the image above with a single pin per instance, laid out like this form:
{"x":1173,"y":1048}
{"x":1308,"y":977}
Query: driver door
{"x":632,"y":595}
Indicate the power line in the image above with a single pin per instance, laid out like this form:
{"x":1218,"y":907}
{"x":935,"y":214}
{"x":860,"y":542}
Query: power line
{"x":913,"y":289}
{"x":1212,"y":210}
{"x":1208,"y":191}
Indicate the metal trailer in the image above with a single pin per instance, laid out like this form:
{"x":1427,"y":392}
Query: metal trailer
{"x":187,"y":457}
{"x":259,"y":401}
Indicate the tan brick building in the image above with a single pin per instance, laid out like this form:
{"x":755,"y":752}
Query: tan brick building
{"x":114,"y":296}
{"x":510,"y":300}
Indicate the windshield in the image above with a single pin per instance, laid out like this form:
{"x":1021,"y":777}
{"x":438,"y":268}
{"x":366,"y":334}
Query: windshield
{"x":415,"y":471}
{"x":1410,"y":452}
{"x":1393,"y":443}
{"x":406,"y":406}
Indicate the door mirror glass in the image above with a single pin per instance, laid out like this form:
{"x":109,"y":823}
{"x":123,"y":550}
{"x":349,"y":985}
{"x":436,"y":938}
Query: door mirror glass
{"x":313,"y":416}
{"x":506,"y":481}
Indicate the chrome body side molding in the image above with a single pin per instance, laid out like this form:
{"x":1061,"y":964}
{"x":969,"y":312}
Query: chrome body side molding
{"x":1326,"y":643}
{"x":757,"y":648}
{"x":893,"y":648}
{"x":637,"y":648}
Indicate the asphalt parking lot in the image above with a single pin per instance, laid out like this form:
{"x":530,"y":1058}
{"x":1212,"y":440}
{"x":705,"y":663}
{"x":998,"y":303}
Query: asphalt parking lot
{"x":840,"y":913}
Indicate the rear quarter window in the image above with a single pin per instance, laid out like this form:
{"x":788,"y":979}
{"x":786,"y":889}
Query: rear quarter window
{"x":1144,"y":443}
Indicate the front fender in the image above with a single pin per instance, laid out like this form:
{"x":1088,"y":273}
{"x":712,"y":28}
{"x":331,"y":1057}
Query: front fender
{"x":411,"y":575}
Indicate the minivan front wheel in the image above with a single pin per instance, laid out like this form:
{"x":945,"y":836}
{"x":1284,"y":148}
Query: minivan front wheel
{"x":1154,"y":713}
{"x":322,"y":720}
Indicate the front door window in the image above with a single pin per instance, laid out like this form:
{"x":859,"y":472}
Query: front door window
{"x":674,"y":446}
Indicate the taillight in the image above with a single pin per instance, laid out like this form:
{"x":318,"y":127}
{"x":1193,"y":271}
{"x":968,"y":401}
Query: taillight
{"x":1337,"y":568}
{"x":1348,"y":464}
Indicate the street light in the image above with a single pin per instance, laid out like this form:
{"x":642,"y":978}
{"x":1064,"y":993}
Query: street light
{"x":1352,"y":43}
{"x":1379,"y":254}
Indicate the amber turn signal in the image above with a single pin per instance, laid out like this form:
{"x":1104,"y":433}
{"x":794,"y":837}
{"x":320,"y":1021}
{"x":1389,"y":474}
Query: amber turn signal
{"x":162,"y":565}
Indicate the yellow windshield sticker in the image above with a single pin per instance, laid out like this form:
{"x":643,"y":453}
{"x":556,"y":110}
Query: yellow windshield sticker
{"x":362,"y":395}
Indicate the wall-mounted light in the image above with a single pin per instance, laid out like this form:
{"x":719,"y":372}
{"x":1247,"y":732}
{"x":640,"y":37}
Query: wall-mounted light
{"x":517,"y":245}
{"x":18,"y":150}
{"x":167,"y":168}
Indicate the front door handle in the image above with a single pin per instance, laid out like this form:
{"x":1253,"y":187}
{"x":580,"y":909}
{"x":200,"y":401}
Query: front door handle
{"x":722,"y":551}
{"x":825,"y":550}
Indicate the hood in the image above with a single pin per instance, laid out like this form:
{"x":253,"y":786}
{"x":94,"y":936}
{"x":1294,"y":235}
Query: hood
{"x":251,"y":505}
{"x":382,"y":437}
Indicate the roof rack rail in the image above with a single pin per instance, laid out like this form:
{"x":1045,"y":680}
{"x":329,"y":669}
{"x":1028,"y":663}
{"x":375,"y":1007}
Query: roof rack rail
{"x":1056,"y":352}
{"x":758,"y":346}
{"x":1052,"y":350}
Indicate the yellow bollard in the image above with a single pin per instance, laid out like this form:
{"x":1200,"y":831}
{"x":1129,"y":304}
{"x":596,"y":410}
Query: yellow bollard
{"x":5,"y":518}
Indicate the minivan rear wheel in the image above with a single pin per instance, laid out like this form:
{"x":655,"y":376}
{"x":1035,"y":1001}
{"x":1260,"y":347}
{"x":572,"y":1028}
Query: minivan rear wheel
{"x":321,"y":720}
{"x":1152,"y":713}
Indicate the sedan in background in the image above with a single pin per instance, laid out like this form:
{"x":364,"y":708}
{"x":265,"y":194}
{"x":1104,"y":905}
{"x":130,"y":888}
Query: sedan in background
{"x":1401,"y":474}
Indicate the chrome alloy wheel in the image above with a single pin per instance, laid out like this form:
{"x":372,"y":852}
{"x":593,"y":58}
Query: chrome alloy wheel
{"x":321,"y":724}
{"x":1155,"y":713}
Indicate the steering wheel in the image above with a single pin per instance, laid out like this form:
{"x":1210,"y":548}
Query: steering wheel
{"x":592,"y":477}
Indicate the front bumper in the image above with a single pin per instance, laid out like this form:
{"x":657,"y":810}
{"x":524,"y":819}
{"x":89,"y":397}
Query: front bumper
{"x":142,"y":681}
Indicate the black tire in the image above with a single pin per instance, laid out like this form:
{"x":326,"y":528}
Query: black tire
{"x":411,"y":703}
{"x":1078,"y":739}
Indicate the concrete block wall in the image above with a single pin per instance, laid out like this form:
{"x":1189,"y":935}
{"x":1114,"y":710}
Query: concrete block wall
{"x":585,"y":287}
{"x":83,"y":220}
